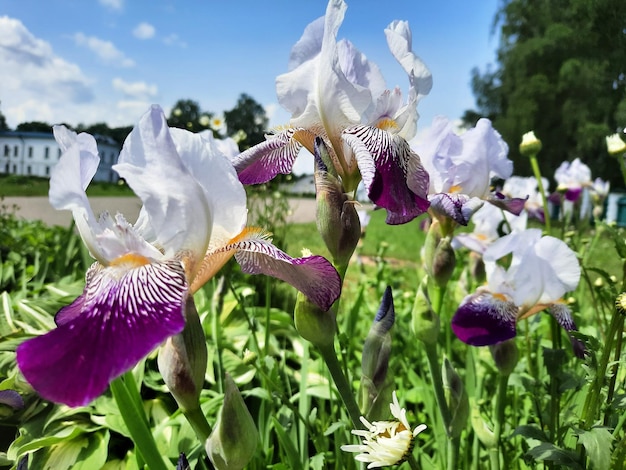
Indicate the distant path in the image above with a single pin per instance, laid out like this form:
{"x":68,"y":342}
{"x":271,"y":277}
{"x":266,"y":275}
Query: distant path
{"x":39,"y":208}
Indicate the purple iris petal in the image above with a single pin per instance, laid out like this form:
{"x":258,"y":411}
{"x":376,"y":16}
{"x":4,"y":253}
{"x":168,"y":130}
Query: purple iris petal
{"x":563,"y":316}
{"x":314,"y":276}
{"x":514,"y":205}
{"x":264,"y":161}
{"x":124,"y":314}
{"x":482,"y":320}
{"x":573,"y":194}
{"x":11,"y":398}
{"x":392,"y":173}
{"x":459,"y":207}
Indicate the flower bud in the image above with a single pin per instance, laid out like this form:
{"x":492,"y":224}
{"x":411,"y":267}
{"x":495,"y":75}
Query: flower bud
{"x":456,"y":397}
{"x":234,"y":440}
{"x":337,"y":219}
{"x":615,"y":145}
{"x":439,"y":257}
{"x":505,"y":356}
{"x":313,"y":324}
{"x":182,"y":360}
{"x":375,"y":390}
{"x":183,"y":463}
{"x":424,"y":320}
{"x":530,"y":145}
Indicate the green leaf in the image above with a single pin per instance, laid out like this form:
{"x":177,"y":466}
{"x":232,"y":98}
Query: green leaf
{"x":598,"y":443}
{"x":551,"y":453}
{"x":317,"y":462}
{"x":291,"y":453}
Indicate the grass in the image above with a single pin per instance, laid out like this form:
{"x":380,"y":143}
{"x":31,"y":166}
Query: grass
{"x":16,"y":185}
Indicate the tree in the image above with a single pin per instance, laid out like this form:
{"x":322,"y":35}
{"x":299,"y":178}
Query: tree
{"x":34,"y":126}
{"x":3,"y":123}
{"x":561,"y":72}
{"x":186,"y":114}
{"x":247,"y":116}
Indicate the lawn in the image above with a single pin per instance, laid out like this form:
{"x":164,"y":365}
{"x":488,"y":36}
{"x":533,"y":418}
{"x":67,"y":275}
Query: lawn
{"x":16,"y":185}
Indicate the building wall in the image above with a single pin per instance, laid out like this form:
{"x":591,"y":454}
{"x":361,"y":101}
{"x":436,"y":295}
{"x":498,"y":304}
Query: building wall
{"x":35,"y":154}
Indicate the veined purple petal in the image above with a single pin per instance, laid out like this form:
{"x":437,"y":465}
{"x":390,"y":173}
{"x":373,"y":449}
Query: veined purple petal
{"x":124,"y":314}
{"x":12,"y":399}
{"x":573,"y":194}
{"x":459,"y":207}
{"x":392,"y":173}
{"x":563,"y":316}
{"x":482,"y":319}
{"x":514,"y":205}
{"x":314,"y":276}
{"x":264,"y":161}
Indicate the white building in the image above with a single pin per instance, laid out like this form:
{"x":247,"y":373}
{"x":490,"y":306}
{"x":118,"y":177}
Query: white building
{"x":36,"y":153}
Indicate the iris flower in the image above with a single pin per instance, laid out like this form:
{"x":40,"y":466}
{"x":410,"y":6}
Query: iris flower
{"x":526,"y":187}
{"x":461,"y":168}
{"x":571,"y":178}
{"x":192,"y":221}
{"x":541,"y":271}
{"x":335,"y":93}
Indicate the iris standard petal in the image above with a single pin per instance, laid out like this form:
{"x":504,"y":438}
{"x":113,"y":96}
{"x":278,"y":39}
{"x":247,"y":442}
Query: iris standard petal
{"x":483,"y":319}
{"x":513,"y":205}
{"x":264,"y":161}
{"x":124,"y":314}
{"x":459,"y":207}
{"x":392,"y":173}
{"x":178,"y":210}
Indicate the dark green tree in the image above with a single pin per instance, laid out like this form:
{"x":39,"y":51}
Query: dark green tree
{"x":186,"y":114}
{"x":3,"y":123}
{"x":34,"y":126}
{"x":247,"y":116}
{"x":560,"y":72}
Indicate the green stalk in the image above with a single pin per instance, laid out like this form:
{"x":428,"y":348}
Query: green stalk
{"x":494,"y":452}
{"x":198,"y":423}
{"x":544,"y":197}
{"x":342,"y":384}
{"x":125,"y":393}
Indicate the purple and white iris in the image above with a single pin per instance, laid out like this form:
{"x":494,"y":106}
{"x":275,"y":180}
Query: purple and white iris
{"x":461,"y":168}
{"x":571,"y":178}
{"x":335,"y":93}
{"x":192,"y":221}
{"x":541,"y":271}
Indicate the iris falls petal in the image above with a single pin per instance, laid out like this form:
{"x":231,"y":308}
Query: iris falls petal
{"x":483,"y":319}
{"x":392,"y":173}
{"x":122,"y":315}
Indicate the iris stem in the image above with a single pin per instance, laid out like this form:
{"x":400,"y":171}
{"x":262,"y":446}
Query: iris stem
{"x":544,"y":197}
{"x":125,"y":394}
{"x":198,"y":423}
{"x":494,"y":452}
{"x":342,"y":384}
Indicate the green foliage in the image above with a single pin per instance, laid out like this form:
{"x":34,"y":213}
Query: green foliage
{"x":186,"y":114}
{"x":248,"y":116}
{"x":560,"y":73}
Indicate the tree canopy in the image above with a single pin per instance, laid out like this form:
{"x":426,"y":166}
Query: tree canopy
{"x":247,"y":116}
{"x":560,"y":72}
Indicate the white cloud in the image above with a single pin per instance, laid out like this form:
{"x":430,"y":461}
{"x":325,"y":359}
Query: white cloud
{"x":136,"y":90}
{"x":144,"y":31}
{"x":34,"y":80}
{"x":113,"y":4}
{"x":174,"y":40}
{"x":105,"y":50}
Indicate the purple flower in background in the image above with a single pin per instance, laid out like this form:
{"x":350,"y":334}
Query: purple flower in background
{"x":461,"y":168}
{"x":541,"y":271}
{"x":192,"y":221}
{"x":335,"y":93}
{"x":571,"y":178}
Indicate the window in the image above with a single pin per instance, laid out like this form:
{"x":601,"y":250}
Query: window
{"x":16,"y":149}
{"x":47,"y":153}
{"x":7,"y":151}
{"x":28,"y":170}
{"x":14,"y":168}
{"x":30,"y":152}
{"x":47,"y":170}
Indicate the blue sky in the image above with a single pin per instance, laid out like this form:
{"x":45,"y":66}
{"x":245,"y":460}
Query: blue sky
{"x":87,"y":61}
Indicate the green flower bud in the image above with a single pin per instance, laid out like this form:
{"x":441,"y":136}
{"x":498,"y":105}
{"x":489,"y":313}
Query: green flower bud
{"x":424,"y":320}
{"x":530,"y":145}
{"x":182,"y":360}
{"x":337,"y":219}
{"x":505,"y":356}
{"x":456,"y":397}
{"x":234,"y":440}
{"x":439,"y":257}
{"x":313,"y":324}
{"x":375,"y":390}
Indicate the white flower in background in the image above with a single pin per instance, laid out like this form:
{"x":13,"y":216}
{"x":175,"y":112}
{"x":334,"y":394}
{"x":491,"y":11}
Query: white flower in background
{"x":204,"y":120}
{"x":526,"y":187}
{"x":385,"y":442}
{"x":572,"y":177}
{"x":218,"y":123}
{"x":615,"y":145}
